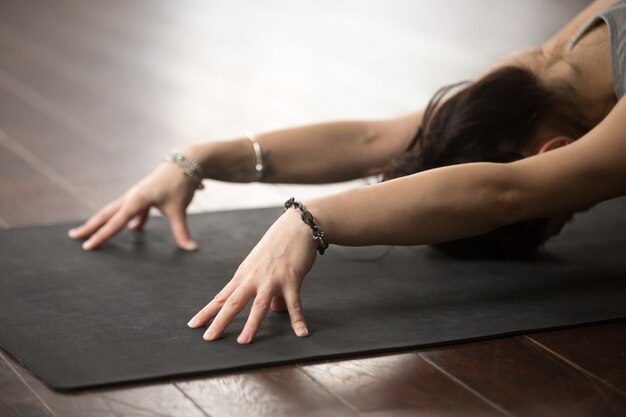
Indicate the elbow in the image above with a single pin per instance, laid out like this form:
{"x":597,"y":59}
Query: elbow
{"x":510,"y":207}
{"x":506,"y":197}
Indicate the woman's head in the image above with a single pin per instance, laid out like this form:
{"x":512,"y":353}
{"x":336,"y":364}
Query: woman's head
{"x":495,"y":119}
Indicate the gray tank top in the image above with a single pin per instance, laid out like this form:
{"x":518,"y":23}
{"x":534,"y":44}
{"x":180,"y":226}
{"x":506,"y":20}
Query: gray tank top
{"x":615,"y":19}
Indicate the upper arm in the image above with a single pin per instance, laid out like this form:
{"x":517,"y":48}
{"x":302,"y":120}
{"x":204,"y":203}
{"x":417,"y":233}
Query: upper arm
{"x":576,"y":176}
{"x":389,"y":138}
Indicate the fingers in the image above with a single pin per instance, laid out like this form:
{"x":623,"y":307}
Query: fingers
{"x":294,"y":306}
{"x":112,"y":227}
{"x":180,"y":230}
{"x":259,"y":309}
{"x":233,"y":306}
{"x":210,"y":310}
{"x":96,"y":221}
{"x":226,"y":308}
{"x":140,"y":220}
{"x":233,"y":299}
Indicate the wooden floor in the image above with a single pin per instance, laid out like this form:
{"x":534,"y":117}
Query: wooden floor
{"x":92,"y":93}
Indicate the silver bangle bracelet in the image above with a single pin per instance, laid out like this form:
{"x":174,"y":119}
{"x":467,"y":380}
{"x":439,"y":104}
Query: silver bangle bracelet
{"x":190,"y":166}
{"x":258,"y":166}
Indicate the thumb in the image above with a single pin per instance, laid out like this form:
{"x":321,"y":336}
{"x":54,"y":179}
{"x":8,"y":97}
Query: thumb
{"x":180,"y":231}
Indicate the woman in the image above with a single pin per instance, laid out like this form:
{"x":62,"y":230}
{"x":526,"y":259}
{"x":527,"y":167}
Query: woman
{"x":505,"y":158}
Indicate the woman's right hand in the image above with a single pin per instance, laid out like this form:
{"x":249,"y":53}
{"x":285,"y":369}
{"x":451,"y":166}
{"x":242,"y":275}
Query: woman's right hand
{"x":166,"y":188}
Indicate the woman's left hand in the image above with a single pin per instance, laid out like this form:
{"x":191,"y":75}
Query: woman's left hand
{"x":272,"y":275}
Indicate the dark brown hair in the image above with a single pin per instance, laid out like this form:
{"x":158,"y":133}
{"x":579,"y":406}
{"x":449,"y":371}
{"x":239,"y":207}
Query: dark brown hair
{"x":489,"y":120}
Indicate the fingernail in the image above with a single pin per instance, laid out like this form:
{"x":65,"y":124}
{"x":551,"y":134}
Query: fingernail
{"x":72,"y":233}
{"x":190,"y":245}
{"x":209,"y":335}
{"x":193,"y":322}
{"x":301,"y":331}
{"x":87,"y":245}
{"x":243,"y":339}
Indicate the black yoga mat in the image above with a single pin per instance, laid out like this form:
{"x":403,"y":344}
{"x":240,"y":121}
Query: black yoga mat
{"x":80,"y":319}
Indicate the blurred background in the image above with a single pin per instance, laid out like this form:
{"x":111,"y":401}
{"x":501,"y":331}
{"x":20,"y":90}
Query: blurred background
{"x":94,"y":93}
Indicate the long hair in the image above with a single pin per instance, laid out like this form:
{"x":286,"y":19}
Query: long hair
{"x":490,"y":120}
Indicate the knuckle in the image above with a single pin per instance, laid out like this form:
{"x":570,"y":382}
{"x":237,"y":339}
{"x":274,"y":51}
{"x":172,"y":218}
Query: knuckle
{"x":111,"y":206}
{"x":240,"y":270}
{"x":99,"y":216}
{"x":110,"y":227}
{"x":128,"y":209}
{"x":136,"y":197}
{"x":220,"y":299}
{"x":233,"y":301}
{"x":296,"y":307}
{"x":261,"y":303}
{"x":244,"y":270}
{"x":290,"y":279}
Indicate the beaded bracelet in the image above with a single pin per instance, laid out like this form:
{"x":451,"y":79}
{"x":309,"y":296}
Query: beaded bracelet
{"x":190,"y":166}
{"x":307,"y":218}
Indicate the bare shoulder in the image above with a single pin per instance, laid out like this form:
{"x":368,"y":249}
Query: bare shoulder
{"x":556,"y":45}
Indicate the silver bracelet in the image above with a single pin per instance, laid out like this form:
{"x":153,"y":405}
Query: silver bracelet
{"x":258,"y":166}
{"x":190,"y":166}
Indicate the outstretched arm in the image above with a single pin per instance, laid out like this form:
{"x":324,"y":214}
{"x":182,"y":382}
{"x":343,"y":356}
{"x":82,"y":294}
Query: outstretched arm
{"x":312,"y":154}
{"x":327,"y":152}
{"x":442,"y":204}
{"x":462,"y":200}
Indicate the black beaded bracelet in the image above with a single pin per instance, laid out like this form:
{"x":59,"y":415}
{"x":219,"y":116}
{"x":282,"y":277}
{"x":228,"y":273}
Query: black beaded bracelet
{"x":307,"y":218}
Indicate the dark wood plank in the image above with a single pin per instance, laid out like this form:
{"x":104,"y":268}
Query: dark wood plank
{"x":152,"y":32}
{"x":70,"y":40}
{"x":29,"y":195}
{"x":61,"y":138}
{"x":525,"y":380}
{"x":599,"y":351}
{"x":276,"y":392}
{"x":93,"y":174}
{"x":159,"y":399}
{"x":16,"y":398}
{"x":402,"y":384}
{"x":106,"y":116}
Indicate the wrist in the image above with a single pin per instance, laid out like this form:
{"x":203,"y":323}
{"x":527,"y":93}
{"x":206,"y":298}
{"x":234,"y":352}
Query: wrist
{"x":298,"y":228}
{"x":307,"y":218}
{"x":341,"y":220}
{"x":201,"y":153}
{"x":322,"y":218}
{"x":229,"y":160}
{"x":188,"y":165}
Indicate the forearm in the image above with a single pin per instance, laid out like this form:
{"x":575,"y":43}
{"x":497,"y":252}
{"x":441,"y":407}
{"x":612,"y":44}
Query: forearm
{"x":469,"y":199}
{"x":319,"y":153}
{"x":429,"y":207}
